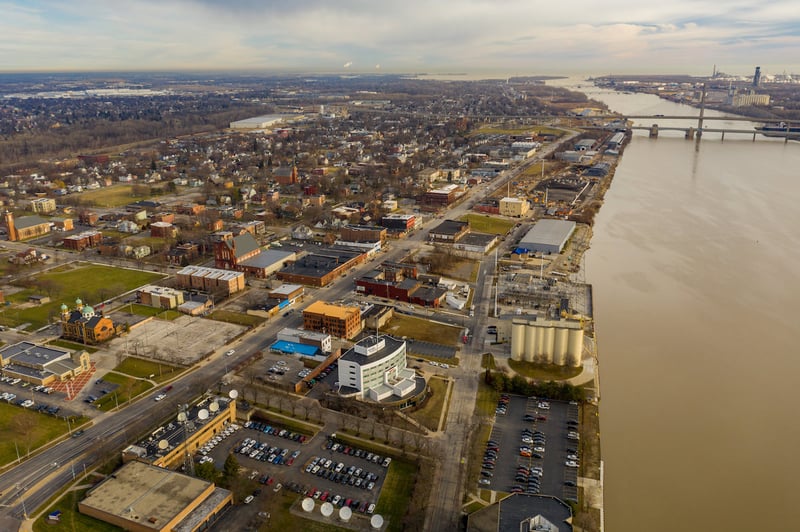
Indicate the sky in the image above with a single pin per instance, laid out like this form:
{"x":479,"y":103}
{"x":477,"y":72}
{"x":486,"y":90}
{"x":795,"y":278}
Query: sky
{"x":512,"y":37}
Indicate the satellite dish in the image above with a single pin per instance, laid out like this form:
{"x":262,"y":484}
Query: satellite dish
{"x":307,"y":504}
{"x":163,"y":444}
{"x":327,"y":509}
{"x":214,"y":407}
{"x":202,"y":414}
{"x":182,"y":417}
{"x":376,"y":522}
{"x":345,"y":513}
{"x":233,"y":394}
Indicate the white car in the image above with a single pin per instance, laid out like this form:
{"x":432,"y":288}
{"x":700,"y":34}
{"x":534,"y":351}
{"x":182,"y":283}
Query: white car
{"x":571,"y":463}
{"x":538,"y":449}
{"x":248,"y":499}
{"x":230,"y":352}
{"x":160,"y":396}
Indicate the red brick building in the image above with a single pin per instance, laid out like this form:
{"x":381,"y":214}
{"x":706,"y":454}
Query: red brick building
{"x":81,"y":241}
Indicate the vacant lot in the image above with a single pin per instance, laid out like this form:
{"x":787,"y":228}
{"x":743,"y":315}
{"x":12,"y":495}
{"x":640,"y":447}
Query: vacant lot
{"x":91,"y":283}
{"x":115,"y":196}
{"x":144,"y":310}
{"x":24,"y":427}
{"x":128,"y":388}
{"x":236,"y":318}
{"x":421,"y":329}
{"x":481,"y":223}
{"x":138,"y":367}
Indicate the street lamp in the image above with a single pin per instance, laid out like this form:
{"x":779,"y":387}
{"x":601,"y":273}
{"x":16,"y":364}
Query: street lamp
{"x":19,"y":495}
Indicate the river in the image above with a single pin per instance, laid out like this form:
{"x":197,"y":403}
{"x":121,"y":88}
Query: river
{"x":694,"y":263}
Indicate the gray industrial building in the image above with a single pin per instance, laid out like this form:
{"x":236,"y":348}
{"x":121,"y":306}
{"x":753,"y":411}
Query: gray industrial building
{"x":547,"y":236}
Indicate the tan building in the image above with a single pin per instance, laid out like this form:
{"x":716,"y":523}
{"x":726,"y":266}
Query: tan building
{"x":41,"y":364}
{"x":145,"y":498}
{"x":210,"y":279}
{"x":43,"y":205}
{"x":340,"y":321}
{"x":160,"y":296}
{"x":25,"y":227}
{"x":514,"y":207}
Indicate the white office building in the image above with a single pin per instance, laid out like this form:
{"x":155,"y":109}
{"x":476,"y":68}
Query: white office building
{"x":376,"y":368}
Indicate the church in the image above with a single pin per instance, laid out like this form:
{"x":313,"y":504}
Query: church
{"x":85,"y":326}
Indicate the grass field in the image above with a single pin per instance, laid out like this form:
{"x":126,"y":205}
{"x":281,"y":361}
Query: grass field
{"x":144,"y":310}
{"x":43,"y":428}
{"x":279,"y":508}
{"x":486,"y":401}
{"x":237,"y":318}
{"x":396,"y":493}
{"x":482,"y":223}
{"x":115,"y":196}
{"x":476,"y":449}
{"x":424,"y":330}
{"x":543,"y":372}
{"x":128,"y":388}
{"x":71,"y":519}
{"x":92,"y":283}
{"x":293,"y":425}
{"x":487,"y":361}
{"x":139,"y":367}
{"x":431,"y":411}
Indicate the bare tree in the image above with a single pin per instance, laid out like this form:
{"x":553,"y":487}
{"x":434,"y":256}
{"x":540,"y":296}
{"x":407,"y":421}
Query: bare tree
{"x":23,"y":425}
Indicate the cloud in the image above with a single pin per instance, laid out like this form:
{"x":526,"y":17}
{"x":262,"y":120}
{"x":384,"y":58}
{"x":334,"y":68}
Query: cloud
{"x":412,"y":35}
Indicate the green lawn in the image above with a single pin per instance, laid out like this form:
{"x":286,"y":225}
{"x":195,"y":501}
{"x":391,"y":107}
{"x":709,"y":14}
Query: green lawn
{"x":122,"y":393}
{"x":42,"y":428}
{"x":237,"y":318}
{"x":543,"y":372}
{"x":293,"y":425}
{"x":139,"y":367}
{"x":422,"y":329}
{"x":144,"y":310}
{"x":71,"y":519}
{"x":279,"y":508}
{"x":482,"y":223}
{"x":396,"y":493}
{"x":476,"y":449}
{"x":486,"y":401}
{"x":74,"y":346}
{"x":115,"y":196}
{"x":92,"y":283}
{"x":487,"y":361}
{"x":431,"y":411}
{"x":473,"y":507}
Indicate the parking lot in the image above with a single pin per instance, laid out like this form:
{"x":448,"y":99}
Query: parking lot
{"x":37,"y":398}
{"x":316,"y":466}
{"x":531,"y":444}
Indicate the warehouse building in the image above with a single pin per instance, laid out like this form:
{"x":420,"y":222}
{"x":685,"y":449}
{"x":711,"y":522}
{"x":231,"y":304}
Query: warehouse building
{"x":257,"y":122}
{"x":210,"y":279}
{"x":547,"y":236}
{"x":160,"y":297}
{"x":145,"y":498}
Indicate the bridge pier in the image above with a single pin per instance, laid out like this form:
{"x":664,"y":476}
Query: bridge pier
{"x":654,"y":131}
{"x":723,"y":135}
{"x":690,"y":134}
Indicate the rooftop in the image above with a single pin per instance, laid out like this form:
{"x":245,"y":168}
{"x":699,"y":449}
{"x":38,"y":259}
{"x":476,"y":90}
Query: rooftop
{"x":210,"y":272}
{"x":547,"y":231}
{"x":30,"y":354}
{"x":450,"y":227}
{"x":373,"y":348}
{"x":267,"y":258}
{"x":146,"y":495}
{"x":327,"y":309}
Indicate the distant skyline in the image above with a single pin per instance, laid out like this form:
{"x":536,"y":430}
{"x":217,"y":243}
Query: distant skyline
{"x":512,"y":37}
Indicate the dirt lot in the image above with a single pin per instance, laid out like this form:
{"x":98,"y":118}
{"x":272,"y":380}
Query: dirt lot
{"x":184,"y":340}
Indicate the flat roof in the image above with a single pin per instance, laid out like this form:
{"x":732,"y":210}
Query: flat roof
{"x":477,"y":239}
{"x":202,"y":271}
{"x":518,"y":506}
{"x":449,"y":227}
{"x":327,"y":309}
{"x":390,"y":346}
{"x":29,"y":353}
{"x":321,"y":263}
{"x":257,"y":120}
{"x":146,"y":495}
{"x":549,"y":232}
{"x":293,"y":347}
{"x":268,"y":258}
{"x":286,"y":289}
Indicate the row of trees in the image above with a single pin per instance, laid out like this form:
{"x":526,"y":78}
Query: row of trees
{"x":520,"y":385}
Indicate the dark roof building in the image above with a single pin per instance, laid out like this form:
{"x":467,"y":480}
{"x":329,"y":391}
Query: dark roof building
{"x":523,"y":513}
{"x":449,"y":231}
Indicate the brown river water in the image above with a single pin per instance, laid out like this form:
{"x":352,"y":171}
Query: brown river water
{"x":695,"y":262}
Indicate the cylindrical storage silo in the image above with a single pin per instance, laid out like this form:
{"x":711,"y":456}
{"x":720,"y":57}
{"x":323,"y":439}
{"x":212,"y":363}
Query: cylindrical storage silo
{"x":546,"y":355}
{"x":517,"y":340}
{"x":575,"y":348}
{"x":531,"y":338}
{"x":560,"y":347}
